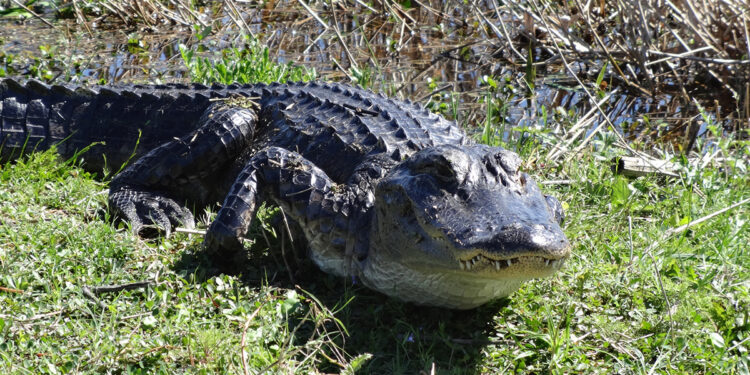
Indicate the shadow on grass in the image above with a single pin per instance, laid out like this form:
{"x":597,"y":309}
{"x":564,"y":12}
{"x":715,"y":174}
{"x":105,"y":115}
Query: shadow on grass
{"x":402,"y":337}
{"x":406,"y":338}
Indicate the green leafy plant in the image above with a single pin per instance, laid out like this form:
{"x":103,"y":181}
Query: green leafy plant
{"x":249,"y":64}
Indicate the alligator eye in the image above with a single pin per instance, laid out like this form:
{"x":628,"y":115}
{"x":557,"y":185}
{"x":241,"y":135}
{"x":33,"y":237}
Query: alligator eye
{"x":440,"y":171}
{"x":440,"y":168}
{"x":443,"y":172}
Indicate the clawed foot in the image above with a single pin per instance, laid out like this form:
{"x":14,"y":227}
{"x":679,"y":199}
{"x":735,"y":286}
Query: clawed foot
{"x":149,"y":213}
{"x":224,"y":246}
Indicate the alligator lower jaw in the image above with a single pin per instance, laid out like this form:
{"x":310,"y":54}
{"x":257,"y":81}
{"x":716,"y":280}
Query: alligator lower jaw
{"x":487,"y":263}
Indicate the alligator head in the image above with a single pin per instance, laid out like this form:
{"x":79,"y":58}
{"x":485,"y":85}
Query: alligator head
{"x":458,"y":226}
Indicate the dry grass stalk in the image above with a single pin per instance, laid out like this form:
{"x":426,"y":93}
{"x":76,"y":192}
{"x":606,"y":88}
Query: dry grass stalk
{"x":651,"y":49}
{"x":663,"y":44}
{"x":151,"y":13}
{"x":33,"y":13}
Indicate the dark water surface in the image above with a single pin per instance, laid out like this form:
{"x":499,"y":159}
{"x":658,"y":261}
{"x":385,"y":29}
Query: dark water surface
{"x":420,"y":53}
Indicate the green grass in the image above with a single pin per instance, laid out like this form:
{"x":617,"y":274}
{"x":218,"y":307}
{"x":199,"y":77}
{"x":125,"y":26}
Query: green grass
{"x":621,"y":304}
{"x":644,"y":302}
{"x":250,"y":64}
{"x":54,"y":242}
{"x":630,"y":300}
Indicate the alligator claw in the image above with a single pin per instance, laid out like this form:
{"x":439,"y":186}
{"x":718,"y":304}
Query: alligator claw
{"x":221,"y":240}
{"x":149,"y":214}
{"x":224,"y":246}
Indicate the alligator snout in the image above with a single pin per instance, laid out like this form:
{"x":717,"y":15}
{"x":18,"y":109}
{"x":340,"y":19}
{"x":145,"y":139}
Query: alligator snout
{"x":514,"y":240}
{"x":515,"y":251}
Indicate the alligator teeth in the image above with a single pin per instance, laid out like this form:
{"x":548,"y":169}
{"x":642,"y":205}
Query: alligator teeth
{"x":500,"y":264}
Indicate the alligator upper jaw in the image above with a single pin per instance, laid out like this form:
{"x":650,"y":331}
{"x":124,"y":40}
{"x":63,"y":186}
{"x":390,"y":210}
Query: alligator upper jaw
{"x":539,"y":264}
{"x":538,"y":257}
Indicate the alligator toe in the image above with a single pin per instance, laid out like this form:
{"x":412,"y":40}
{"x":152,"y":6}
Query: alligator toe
{"x":149,"y":214}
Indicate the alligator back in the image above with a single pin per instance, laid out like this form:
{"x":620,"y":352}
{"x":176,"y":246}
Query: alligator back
{"x":117,"y":123}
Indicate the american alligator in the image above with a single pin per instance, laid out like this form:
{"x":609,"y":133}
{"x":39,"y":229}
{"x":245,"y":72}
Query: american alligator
{"x":383,"y":190}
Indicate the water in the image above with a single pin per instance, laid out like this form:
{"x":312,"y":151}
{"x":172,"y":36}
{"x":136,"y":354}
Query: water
{"x":404,"y":50}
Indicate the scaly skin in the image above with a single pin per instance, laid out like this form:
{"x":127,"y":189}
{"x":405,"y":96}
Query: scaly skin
{"x":383,"y":190}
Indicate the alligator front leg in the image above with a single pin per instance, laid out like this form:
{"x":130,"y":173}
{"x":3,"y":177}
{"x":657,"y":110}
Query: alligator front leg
{"x":152,"y":192}
{"x":305,"y":193}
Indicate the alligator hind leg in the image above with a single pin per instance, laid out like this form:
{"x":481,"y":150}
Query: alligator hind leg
{"x":152,"y":192}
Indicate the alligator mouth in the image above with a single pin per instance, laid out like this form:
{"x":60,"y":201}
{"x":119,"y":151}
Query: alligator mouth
{"x":501,"y":264}
{"x":487,"y":263}
{"x":536,"y":264}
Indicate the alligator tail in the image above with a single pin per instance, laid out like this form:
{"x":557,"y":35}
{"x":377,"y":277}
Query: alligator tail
{"x":26,"y":123}
{"x":107,"y":126}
